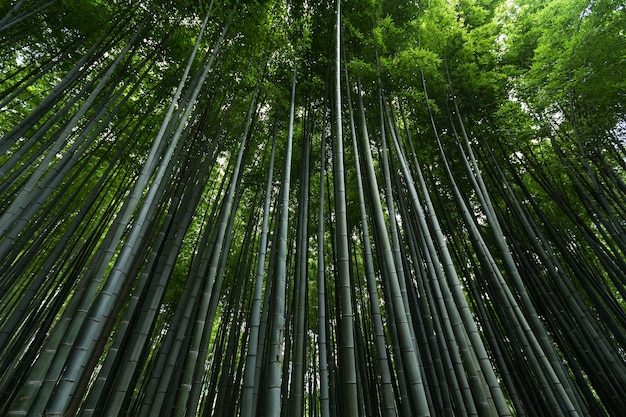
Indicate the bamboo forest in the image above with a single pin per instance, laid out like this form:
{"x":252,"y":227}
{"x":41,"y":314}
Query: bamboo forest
{"x":283,"y":208}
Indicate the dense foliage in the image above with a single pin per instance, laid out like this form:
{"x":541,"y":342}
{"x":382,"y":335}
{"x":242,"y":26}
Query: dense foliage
{"x":280,"y":208}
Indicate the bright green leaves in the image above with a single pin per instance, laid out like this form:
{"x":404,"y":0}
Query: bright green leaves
{"x":402,"y":12}
{"x":365,"y":71}
{"x":388,"y":37}
{"x":406,"y":68}
{"x":476,"y":13}
{"x":413,"y":60}
{"x":574,"y":54}
{"x":600,"y":78}
{"x":554,"y":57}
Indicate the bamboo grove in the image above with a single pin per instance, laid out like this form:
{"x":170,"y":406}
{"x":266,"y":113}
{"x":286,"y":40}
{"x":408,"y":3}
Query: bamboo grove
{"x":282,"y":208}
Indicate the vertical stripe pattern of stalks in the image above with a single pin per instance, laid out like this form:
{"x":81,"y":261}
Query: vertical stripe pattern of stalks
{"x":288,"y":209}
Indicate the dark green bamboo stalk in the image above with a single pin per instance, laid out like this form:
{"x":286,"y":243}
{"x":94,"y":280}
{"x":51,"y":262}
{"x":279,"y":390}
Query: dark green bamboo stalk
{"x":276,"y":346}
